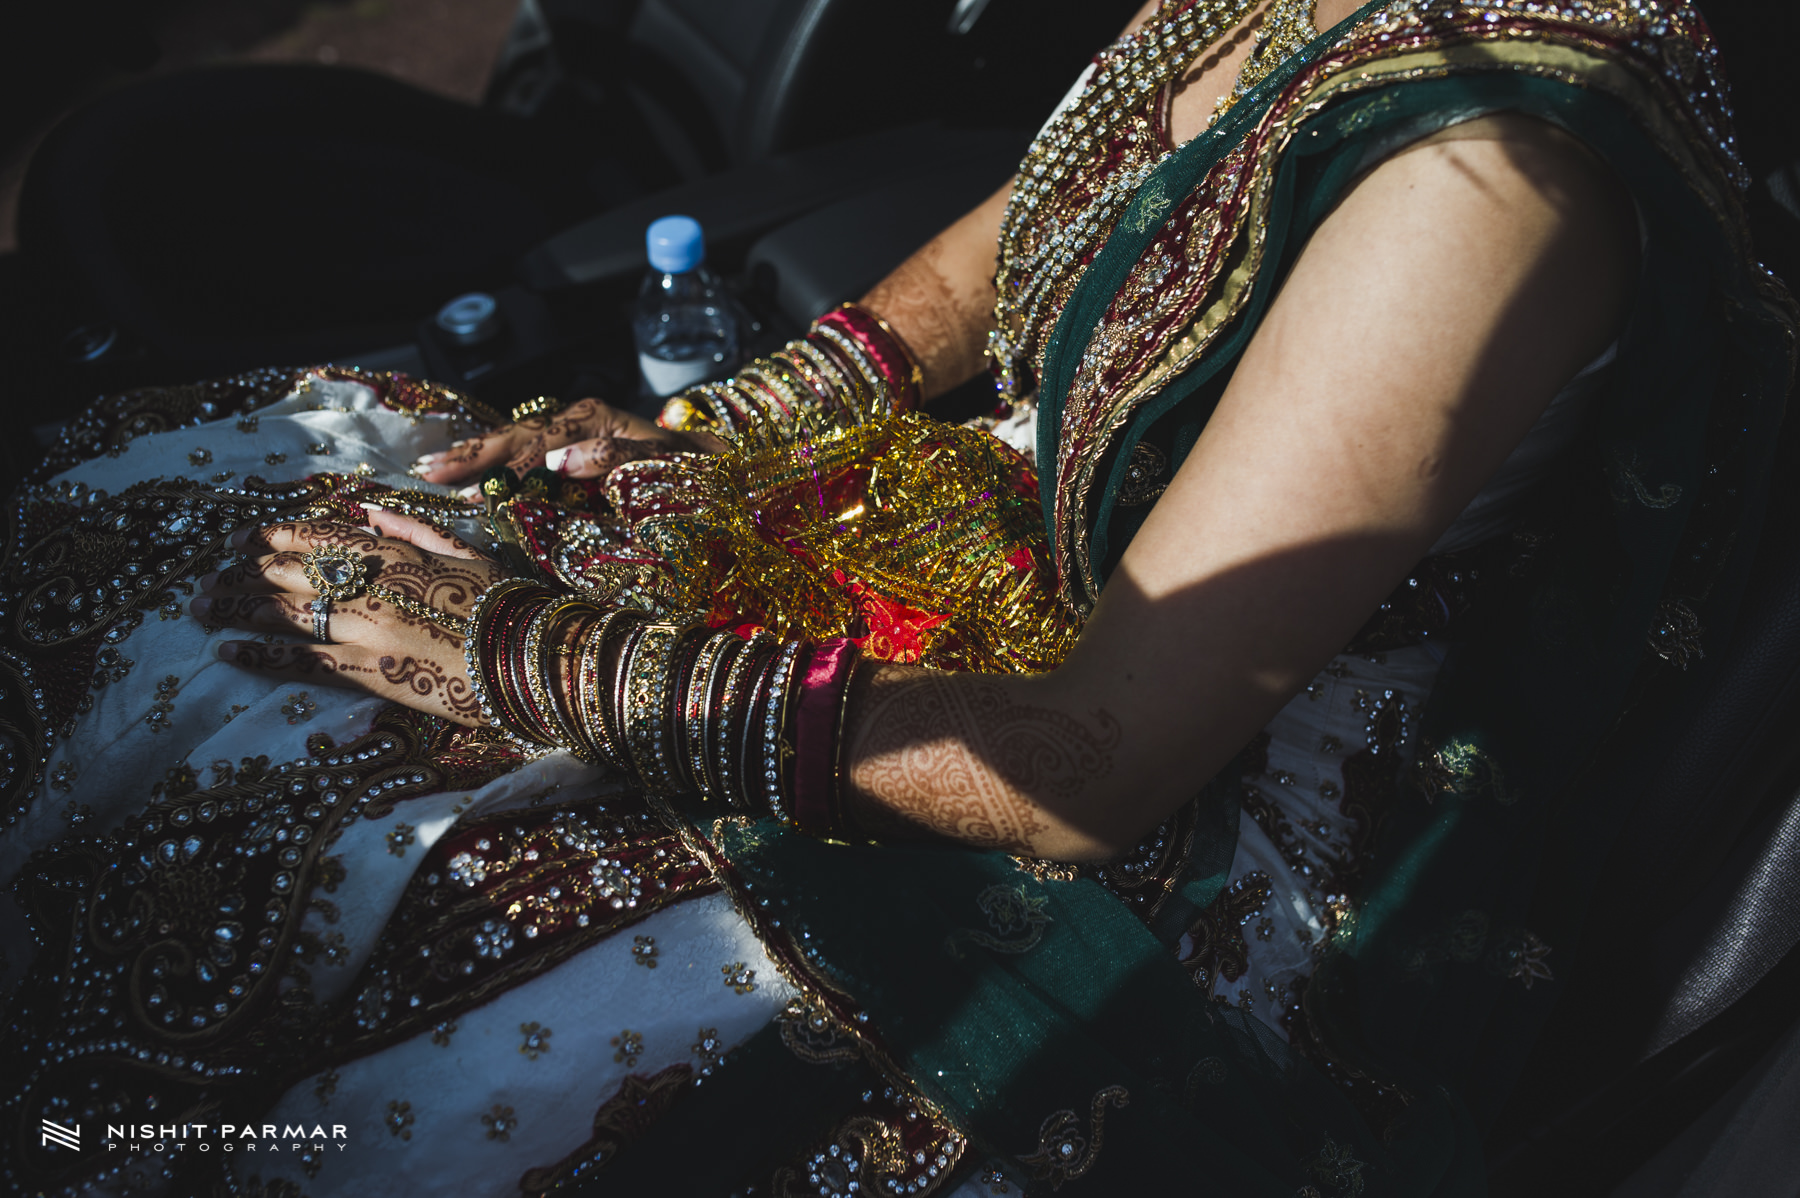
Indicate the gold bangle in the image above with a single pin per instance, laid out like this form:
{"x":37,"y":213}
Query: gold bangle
{"x":593,"y":707}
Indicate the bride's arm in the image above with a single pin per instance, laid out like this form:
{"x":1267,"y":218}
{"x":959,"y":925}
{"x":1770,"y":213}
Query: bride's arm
{"x":1423,"y":329}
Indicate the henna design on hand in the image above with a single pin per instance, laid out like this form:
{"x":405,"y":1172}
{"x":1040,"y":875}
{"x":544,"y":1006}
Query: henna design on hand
{"x":958,"y":756}
{"x":305,"y":660}
{"x":427,"y":679}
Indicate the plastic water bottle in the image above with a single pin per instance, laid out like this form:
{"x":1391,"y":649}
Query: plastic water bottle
{"x":686,"y":325}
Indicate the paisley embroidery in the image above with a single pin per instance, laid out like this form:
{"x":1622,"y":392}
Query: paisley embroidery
{"x":1063,"y":1152}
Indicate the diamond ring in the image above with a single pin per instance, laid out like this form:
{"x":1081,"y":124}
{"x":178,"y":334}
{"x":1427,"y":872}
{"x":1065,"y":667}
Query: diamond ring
{"x":337,"y":574}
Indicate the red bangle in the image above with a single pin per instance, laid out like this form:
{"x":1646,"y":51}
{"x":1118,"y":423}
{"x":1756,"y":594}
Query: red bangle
{"x":885,"y":349}
{"x":818,"y":731}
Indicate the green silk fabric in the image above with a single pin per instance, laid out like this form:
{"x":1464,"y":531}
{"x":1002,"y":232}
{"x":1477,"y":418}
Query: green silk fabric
{"x":1006,"y":998}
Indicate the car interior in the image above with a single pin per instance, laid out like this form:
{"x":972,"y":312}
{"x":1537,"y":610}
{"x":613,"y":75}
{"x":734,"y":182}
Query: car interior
{"x":1671,"y":1065}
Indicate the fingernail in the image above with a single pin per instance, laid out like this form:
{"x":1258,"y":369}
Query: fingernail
{"x":241,"y":537}
{"x":556,"y":457}
{"x":470,"y":493}
{"x":370,"y":507}
{"x":426,"y":459}
{"x":201,"y":606}
{"x":228,"y":650}
{"x":206,"y":582}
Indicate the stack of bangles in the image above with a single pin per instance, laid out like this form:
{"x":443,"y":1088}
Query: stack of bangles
{"x":689,"y":710}
{"x":849,"y":369}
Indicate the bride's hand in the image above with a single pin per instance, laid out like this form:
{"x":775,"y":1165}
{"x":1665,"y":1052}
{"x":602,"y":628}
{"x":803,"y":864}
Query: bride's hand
{"x":584,"y":440}
{"x":373,"y":645}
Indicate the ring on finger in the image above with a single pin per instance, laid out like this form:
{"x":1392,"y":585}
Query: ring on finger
{"x":335,"y":572}
{"x":543,"y":405}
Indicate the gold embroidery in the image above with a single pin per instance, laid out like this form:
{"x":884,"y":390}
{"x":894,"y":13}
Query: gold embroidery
{"x":740,"y":977}
{"x":1152,"y":206}
{"x":862,"y":1150}
{"x":1338,"y":1169}
{"x":1464,"y":770}
{"x":299,"y":708}
{"x":399,"y":838}
{"x":1011,"y":912}
{"x":710,"y":1049}
{"x":628,"y":1046}
{"x":1401,"y":42}
{"x":813,"y":1034}
{"x":1063,"y":1153}
{"x":399,"y":1119}
{"x":537,"y":1040}
{"x":1145,"y":476}
{"x":164,"y":707}
{"x":500,"y":1122}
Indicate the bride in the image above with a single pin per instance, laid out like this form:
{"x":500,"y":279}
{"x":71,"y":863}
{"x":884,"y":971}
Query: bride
{"x":781,"y":798}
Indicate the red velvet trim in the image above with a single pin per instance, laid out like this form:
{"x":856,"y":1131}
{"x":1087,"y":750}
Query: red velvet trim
{"x":823,"y":678}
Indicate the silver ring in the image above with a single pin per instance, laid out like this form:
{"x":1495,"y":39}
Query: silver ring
{"x":321,"y":612}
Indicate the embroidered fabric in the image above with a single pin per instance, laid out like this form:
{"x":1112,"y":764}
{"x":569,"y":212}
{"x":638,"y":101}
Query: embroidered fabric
{"x":494,"y":1087}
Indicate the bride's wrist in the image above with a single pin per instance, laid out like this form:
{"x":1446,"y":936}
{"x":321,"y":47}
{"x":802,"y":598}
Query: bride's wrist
{"x":849,"y":368}
{"x":753,"y":722}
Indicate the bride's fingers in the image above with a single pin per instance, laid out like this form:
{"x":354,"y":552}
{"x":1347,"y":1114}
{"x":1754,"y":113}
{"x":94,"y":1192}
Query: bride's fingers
{"x":257,"y":576}
{"x":330,"y":665}
{"x":304,"y":536}
{"x":593,"y":459}
{"x":466,"y":459}
{"x":270,"y":611}
{"x":526,"y":442}
{"x":417,"y":533}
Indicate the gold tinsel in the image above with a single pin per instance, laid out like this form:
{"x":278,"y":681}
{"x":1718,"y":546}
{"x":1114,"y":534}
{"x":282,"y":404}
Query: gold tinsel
{"x":923,"y":540}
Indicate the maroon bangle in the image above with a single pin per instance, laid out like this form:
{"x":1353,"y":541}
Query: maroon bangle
{"x":818,"y":718}
{"x":884,"y":348}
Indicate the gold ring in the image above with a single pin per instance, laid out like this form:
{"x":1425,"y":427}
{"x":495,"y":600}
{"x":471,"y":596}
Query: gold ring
{"x":543,"y":405}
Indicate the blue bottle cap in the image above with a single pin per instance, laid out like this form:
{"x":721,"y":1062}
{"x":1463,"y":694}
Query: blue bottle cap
{"x":676,"y":244}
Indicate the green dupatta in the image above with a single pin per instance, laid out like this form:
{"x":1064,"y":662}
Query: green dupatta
{"x":1052,"y":1027}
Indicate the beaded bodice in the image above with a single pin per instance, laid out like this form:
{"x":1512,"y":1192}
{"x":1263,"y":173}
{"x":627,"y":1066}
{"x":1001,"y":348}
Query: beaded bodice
{"x":1102,"y":168}
{"x":1082,"y":172}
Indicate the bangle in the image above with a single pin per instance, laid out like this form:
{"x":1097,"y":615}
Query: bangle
{"x":750,"y":781}
{"x":777,"y":751}
{"x":683,"y":668}
{"x":823,"y":692}
{"x":700,"y":709}
{"x":648,"y":686}
{"x":485,"y":650}
{"x":893,"y":361}
{"x":543,"y":667}
{"x":732,"y":701}
{"x":597,"y":716}
{"x":849,"y":368}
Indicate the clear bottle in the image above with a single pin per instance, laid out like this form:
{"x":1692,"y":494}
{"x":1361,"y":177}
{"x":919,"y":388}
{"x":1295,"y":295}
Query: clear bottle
{"x":686,"y":325}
